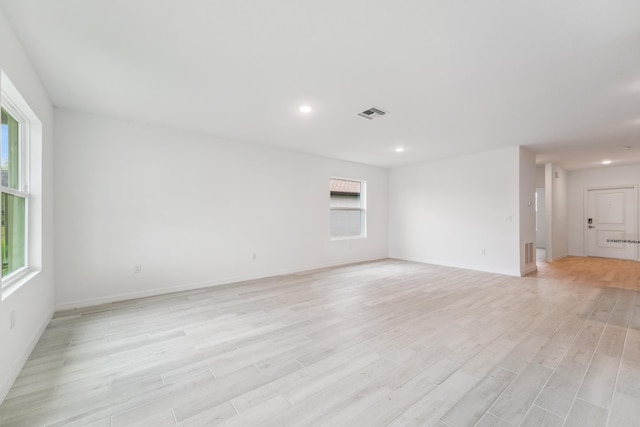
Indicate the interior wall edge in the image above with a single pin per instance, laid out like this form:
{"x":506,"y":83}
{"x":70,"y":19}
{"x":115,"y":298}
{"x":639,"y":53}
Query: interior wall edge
{"x":20,"y":361}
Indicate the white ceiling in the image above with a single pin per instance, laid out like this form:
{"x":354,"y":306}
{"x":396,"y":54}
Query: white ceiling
{"x":561,"y":77}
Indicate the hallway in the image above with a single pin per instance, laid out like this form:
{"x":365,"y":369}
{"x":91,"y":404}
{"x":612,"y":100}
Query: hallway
{"x":602,"y":272}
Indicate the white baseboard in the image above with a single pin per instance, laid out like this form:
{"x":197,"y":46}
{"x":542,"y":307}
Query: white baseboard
{"x":20,"y":361}
{"x":463,"y":266}
{"x":556,"y":258}
{"x":197,"y":285}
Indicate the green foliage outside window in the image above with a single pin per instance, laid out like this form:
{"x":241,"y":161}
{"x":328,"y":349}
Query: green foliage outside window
{"x":13,"y":205}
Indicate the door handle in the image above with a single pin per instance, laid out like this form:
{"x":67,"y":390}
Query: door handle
{"x":592,"y":226}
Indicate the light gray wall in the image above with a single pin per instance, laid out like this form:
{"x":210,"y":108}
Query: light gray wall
{"x":540,"y":176}
{"x":556,"y":212}
{"x":527,"y":219}
{"x":192,"y":210}
{"x":448,"y":211}
{"x":32,"y":303}
{"x":541,"y":222}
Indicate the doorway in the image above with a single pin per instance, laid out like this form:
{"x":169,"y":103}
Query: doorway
{"x":611,"y":219}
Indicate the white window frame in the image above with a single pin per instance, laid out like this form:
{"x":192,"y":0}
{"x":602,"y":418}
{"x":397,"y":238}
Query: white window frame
{"x":23,"y":146}
{"x":362,"y":209}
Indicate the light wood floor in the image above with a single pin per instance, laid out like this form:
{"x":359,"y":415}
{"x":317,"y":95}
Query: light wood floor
{"x":606,"y":272}
{"x":383,"y":343}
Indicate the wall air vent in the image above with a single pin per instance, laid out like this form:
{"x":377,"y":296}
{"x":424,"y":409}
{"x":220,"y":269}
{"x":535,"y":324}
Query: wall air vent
{"x":372,"y":113}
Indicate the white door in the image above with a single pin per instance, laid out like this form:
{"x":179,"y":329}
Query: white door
{"x":611,"y":217}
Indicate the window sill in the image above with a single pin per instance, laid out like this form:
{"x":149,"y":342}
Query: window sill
{"x":348,"y":238}
{"x":14,"y":283}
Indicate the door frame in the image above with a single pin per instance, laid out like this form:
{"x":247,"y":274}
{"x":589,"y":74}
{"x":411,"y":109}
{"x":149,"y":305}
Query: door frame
{"x":585,"y":212}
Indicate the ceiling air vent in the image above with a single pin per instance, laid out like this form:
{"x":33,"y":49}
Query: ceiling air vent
{"x":372,"y":113}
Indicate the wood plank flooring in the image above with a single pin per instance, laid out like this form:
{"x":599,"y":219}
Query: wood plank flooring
{"x":605,"y":272}
{"x":381,"y":343}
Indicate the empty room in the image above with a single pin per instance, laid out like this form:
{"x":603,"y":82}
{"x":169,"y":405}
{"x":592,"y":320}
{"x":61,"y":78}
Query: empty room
{"x":337,"y":213}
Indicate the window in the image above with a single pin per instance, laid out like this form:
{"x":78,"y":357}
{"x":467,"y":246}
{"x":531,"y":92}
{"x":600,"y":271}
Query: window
{"x":14,"y":195}
{"x":347,"y":207}
{"x":21,"y":182}
{"x":14,"y":191}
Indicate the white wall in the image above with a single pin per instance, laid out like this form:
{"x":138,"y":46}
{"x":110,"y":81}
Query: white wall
{"x":540,"y":176}
{"x":556,"y":212}
{"x":527,"y":193}
{"x":578,"y":181}
{"x":541,"y":220}
{"x":541,"y":223}
{"x":192,"y":210}
{"x":447,"y":211}
{"x":33,"y":302}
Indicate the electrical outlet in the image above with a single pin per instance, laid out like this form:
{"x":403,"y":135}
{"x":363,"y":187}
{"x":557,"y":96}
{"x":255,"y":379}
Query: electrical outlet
{"x":12,"y":319}
{"x":483,"y":251}
{"x":137,"y":268}
{"x":254,"y":257}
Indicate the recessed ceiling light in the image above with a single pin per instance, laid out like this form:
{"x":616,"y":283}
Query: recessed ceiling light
{"x":606,"y":162}
{"x":399,"y":150}
{"x":305,"y":109}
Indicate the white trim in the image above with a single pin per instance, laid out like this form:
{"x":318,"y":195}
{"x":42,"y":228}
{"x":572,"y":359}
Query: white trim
{"x":585,"y":212}
{"x":20,"y":361}
{"x":13,"y":103}
{"x":14,"y":192}
{"x":337,"y":238}
{"x":23,"y":140}
{"x":13,"y":283}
